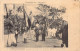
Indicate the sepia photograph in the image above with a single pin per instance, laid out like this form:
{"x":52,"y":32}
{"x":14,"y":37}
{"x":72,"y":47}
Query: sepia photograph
{"x":35,"y":25}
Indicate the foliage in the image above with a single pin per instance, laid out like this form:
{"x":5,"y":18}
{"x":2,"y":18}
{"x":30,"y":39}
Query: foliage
{"x":47,"y":12}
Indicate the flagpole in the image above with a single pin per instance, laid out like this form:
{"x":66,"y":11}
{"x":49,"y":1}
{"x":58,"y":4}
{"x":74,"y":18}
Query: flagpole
{"x":8,"y":26}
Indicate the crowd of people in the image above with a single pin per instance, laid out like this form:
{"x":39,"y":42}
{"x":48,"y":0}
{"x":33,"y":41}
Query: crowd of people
{"x":36,"y":32}
{"x":13,"y":36}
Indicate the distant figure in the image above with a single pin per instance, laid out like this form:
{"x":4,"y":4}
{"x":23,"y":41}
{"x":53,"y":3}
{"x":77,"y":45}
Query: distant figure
{"x":37,"y":32}
{"x":16,"y":35}
{"x":53,"y":32}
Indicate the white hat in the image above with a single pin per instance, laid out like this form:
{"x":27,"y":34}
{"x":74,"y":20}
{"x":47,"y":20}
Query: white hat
{"x":37,"y":25}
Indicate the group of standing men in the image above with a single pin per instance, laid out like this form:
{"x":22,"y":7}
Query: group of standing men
{"x":37,"y":31}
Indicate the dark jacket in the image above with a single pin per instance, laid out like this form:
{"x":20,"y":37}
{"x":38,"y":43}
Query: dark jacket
{"x":64,"y":32}
{"x":37,"y":31}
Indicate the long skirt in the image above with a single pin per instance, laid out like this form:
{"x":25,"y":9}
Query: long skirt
{"x":11,"y":39}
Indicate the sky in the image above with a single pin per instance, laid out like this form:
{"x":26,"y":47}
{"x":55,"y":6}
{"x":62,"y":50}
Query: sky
{"x":57,"y":4}
{"x":32,"y":7}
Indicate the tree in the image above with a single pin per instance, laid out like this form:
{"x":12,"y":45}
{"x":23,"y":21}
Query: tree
{"x":50,"y":13}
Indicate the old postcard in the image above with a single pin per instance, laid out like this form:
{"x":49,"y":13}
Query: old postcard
{"x":48,"y":25}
